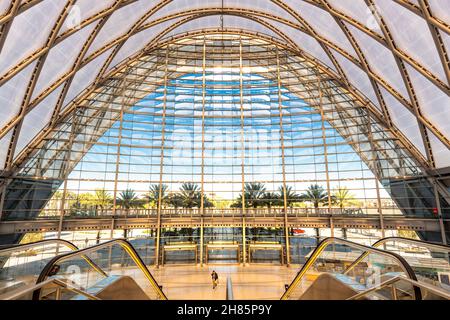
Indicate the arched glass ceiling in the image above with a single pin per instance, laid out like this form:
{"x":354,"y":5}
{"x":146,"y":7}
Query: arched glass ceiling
{"x":394,"y":52}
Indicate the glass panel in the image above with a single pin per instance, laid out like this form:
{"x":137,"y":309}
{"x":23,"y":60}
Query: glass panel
{"x":12,"y":94}
{"x":120,"y":23}
{"x":20,"y":266}
{"x":380,"y":60}
{"x":418,"y":44}
{"x":324,"y":24}
{"x":36,"y":120}
{"x":439,"y":9}
{"x":85,"y":76}
{"x":29,"y":32}
{"x":359,"y":11}
{"x":61,"y":58}
{"x":82,"y":10}
{"x":430,"y":262}
{"x":404,"y":120}
{"x":434,"y":103}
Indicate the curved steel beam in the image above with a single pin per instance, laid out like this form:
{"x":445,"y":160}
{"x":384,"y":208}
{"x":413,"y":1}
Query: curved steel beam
{"x":396,"y":51}
{"x":32,"y":84}
{"x":365,"y":65}
{"x":352,"y":91}
{"x":324,"y":43}
{"x":406,"y":79}
{"x":41,"y":51}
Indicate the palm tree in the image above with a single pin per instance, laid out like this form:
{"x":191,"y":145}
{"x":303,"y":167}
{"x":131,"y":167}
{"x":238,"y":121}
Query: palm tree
{"x":254,"y":194}
{"x":128,"y":199}
{"x":315,"y":194}
{"x":271,"y":199}
{"x":207,"y":203}
{"x":153,"y":194}
{"x":291,"y":196}
{"x":191,"y":194}
{"x":103,"y":199}
{"x":343,"y":197}
{"x":238,"y":202}
{"x":175,"y":200}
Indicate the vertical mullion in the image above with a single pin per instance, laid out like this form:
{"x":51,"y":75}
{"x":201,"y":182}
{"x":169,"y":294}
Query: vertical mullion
{"x":439,"y":208}
{"x":116,"y":176}
{"x":241,"y":96}
{"x":161,"y":163}
{"x":325,"y":150}
{"x":203,"y":149}
{"x":283,"y":162}
{"x":376,"y":173}
{"x":65,"y":172}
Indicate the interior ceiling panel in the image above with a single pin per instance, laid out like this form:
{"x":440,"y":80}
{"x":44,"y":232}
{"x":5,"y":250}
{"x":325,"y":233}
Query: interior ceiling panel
{"x":393,"y":52}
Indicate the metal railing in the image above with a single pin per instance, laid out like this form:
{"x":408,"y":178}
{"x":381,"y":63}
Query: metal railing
{"x":61,"y":286}
{"x":225,"y":212}
{"x":406,"y":268}
{"x":422,"y":243}
{"x":393,"y":281}
{"x":129,"y":249}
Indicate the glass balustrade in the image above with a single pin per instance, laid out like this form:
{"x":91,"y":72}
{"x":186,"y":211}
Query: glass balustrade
{"x":430,"y":261}
{"x":95,"y":268}
{"x":21,"y":265}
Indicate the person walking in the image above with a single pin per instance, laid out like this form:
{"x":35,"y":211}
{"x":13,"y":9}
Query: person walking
{"x":215,"y":279}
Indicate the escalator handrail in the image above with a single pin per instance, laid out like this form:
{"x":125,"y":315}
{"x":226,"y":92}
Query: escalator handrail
{"x":392,"y":281}
{"x":25,"y":246}
{"x":61,"y":284}
{"x":382,"y":241}
{"x":127,"y":246}
{"x":426,"y":244}
{"x":327,"y":241}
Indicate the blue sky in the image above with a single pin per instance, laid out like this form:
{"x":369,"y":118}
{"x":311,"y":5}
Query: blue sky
{"x":141,"y":141}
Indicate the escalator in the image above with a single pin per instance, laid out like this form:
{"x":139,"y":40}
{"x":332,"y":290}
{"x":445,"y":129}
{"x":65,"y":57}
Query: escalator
{"x":324,"y":276}
{"x":339,"y":269}
{"x":111,"y":270}
{"x":393,"y":268}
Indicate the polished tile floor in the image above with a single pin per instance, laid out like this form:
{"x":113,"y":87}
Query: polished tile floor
{"x":257,"y":282}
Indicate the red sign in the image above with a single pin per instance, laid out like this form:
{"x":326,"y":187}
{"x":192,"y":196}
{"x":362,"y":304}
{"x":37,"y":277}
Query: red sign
{"x":298,"y":231}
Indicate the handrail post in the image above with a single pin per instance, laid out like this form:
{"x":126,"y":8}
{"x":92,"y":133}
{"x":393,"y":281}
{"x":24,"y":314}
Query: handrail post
{"x":394,"y":292}
{"x":58,"y":293}
{"x":230,"y":295}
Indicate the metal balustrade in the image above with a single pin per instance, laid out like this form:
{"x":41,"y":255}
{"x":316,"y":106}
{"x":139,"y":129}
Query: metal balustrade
{"x":216,"y":212}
